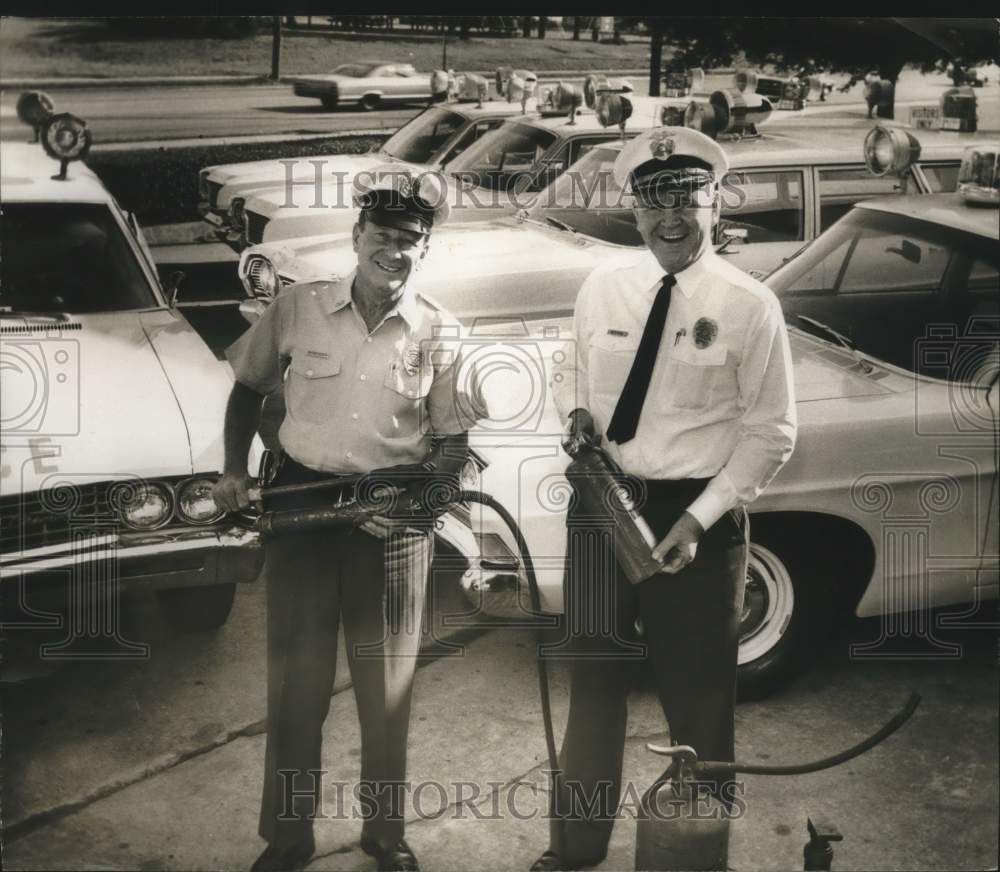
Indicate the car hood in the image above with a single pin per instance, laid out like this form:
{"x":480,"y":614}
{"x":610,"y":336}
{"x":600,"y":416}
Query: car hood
{"x":110,"y":395}
{"x":497,"y":269}
{"x":257,"y":177}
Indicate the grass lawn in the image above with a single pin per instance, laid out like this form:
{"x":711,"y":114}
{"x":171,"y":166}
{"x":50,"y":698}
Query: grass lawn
{"x":88,"y":47}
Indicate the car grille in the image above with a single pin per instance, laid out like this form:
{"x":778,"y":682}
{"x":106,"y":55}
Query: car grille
{"x":255,"y":227}
{"x":213,"y":193}
{"x":53,"y":517}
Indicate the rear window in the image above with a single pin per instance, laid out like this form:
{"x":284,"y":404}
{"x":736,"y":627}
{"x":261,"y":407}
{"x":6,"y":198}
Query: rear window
{"x":941,"y":178}
{"x":68,"y":257}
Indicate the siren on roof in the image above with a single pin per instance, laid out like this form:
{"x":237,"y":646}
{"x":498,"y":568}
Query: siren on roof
{"x":560,"y":99}
{"x":34,"y":108}
{"x":729,"y":113}
{"x":65,"y":138}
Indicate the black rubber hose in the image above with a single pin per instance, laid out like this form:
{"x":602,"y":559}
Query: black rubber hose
{"x":536,"y":604}
{"x":901,"y":717}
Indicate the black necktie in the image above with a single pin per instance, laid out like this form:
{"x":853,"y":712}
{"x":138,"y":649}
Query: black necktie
{"x":625,"y":420}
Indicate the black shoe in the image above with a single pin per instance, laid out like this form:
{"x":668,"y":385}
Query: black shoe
{"x":550,"y":861}
{"x":399,"y":858}
{"x":285,"y":859}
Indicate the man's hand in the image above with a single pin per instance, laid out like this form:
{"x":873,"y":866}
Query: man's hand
{"x":677,"y":550}
{"x":579,"y":430}
{"x":231,"y":491}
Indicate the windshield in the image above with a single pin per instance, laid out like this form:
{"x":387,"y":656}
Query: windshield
{"x":355,"y":71}
{"x":419,"y":140}
{"x":890,"y":281}
{"x":68,"y":257}
{"x":587,"y":198}
{"x":503,"y":157}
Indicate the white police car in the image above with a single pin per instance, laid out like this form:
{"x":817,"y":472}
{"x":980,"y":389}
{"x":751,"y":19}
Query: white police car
{"x":112,"y":405}
{"x":888,"y":459}
{"x":432,"y":138}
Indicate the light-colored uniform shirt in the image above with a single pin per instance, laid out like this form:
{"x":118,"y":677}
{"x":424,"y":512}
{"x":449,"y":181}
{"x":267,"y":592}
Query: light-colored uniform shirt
{"x":357,"y":401}
{"x":720,"y":402}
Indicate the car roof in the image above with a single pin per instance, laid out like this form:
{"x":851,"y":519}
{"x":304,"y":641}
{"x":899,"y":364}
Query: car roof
{"x":26,"y":173}
{"x":948,"y":210}
{"x":780,"y":144}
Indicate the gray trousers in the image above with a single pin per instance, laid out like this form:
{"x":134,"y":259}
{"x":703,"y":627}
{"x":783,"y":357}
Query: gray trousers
{"x":377,"y":587}
{"x":690,"y":636}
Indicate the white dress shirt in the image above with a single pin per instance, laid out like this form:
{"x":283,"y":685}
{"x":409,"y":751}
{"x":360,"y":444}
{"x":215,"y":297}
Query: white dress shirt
{"x":720,"y":402}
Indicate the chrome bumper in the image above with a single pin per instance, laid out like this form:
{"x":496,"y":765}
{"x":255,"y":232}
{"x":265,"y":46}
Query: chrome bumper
{"x":162,"y":558}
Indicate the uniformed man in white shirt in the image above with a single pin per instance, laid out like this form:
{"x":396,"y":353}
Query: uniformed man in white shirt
{"x":681,"y":369}
{"x":370,"y":368}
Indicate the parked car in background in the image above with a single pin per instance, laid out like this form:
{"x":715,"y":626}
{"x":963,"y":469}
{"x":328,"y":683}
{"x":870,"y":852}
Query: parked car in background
{"x":499,"y":172}
{"x":112,"y":411}
{"x":368,"y":84}
{"x":434,"y":137}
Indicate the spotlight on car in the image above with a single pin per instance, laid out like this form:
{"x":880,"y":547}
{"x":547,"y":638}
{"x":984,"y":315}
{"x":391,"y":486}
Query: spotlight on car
{"x":564,"y":98}
{"x":890,"y":150}
{"x":65,"y":138}
{"x":34,"y":108}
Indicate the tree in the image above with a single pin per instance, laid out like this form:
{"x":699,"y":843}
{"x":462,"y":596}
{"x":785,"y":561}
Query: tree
{"x":576,"y":27}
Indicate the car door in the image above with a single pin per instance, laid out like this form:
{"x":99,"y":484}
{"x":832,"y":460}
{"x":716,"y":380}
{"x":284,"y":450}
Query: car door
{"x":770,"y":206}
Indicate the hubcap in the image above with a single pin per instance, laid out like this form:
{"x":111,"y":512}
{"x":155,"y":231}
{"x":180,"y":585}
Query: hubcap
{"x":768,"y":603}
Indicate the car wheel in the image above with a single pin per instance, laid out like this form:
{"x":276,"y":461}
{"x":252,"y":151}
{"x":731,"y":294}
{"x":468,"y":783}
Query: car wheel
{"x":328,"y":102}
{"x":197,"y":609}
{"x":774,"y":621}
{"x":369,"y":102}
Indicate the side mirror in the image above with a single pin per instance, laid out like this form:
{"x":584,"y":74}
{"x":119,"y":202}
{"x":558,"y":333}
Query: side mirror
{"x":907,"y":250}
{"x":732,"y":236}
{"x":173,"y":286}
{"x":252,"y":310}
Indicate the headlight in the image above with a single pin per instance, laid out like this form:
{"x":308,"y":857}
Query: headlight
{"x":195,"y":503}
{"x":237,"y":208}
{"x":144,"y":505}
{"x":890,"y":150}
{"x":260,"y":278}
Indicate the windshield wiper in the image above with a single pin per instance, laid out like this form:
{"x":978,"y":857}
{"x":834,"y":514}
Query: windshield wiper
{"x":843,"y":341}
{"x":562,"y":225}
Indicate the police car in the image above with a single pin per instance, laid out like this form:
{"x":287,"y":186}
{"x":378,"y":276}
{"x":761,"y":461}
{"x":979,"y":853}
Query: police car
{"x":112,"y":404}
{"x":499,"y":172}
{"x":889,"y":502}
{"x":888,"y":505}
{"x":432,"y":138}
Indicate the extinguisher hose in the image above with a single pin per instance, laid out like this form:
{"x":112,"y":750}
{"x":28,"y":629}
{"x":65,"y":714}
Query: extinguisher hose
{"x":719,"y":768}
{"x":536,"y":606}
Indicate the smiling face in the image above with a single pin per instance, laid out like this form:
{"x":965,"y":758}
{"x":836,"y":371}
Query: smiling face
{"x":387,"y":257}
{"x":676,"y":236}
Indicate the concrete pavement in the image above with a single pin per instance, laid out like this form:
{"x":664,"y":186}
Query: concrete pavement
{"x":925,"y":799}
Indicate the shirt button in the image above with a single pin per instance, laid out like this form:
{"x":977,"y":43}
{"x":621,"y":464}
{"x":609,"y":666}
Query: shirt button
{"x":309,"y":373}
{"x":368,"y":339}
{"x":313,"y":293}
{"x":364,"y":377}
{"x":409,"y":393}
{"x":349,"y":454}
{"x":355,"y":416}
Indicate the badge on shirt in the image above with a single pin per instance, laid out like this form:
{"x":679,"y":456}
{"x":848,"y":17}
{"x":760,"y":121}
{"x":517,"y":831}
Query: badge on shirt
{"x":705,"y":331}
{"x":411,"y":359}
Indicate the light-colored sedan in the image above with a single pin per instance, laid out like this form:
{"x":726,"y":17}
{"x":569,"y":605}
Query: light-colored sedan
{"x":368,"y":84}
{"x":888,"y":459}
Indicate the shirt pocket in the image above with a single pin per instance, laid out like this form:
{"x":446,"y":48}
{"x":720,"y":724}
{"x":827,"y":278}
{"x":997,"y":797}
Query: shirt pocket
{"x":313,"y":385}
{"x":408,"y":386}
{"x":610,"y":362}
{"x":692,"y":375}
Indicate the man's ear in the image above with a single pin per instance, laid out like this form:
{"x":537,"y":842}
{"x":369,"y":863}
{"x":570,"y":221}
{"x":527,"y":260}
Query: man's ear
{"x":424,"y":249}
{"x":356,"y":235}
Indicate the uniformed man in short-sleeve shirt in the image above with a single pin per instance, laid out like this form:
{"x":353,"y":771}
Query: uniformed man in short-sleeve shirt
{"x":681,"y":371}
{"x":370,"y":370}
